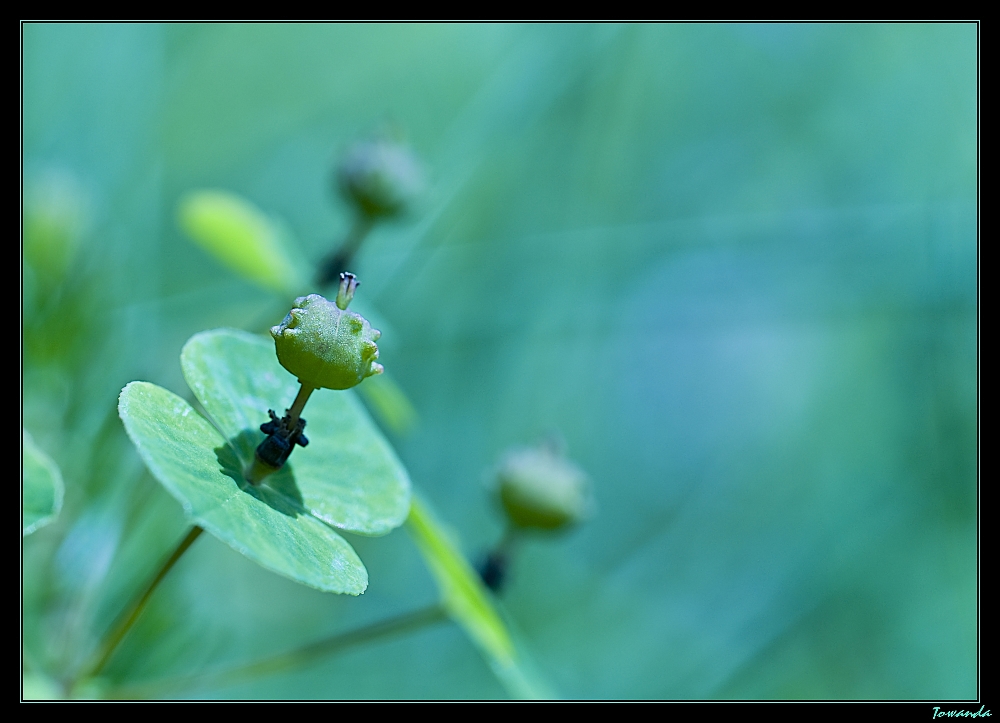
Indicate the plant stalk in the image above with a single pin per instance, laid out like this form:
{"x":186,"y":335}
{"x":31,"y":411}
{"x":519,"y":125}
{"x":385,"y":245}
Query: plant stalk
{"x":398,"y":625}
{"x":126,"y":622}
{"x":295,"y":411}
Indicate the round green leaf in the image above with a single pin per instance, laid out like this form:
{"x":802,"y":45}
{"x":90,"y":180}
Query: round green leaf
{"x":201,"y":469}
{"x":348,"y":475}
{"x":241,"y":237}
{"x":41,"y":487}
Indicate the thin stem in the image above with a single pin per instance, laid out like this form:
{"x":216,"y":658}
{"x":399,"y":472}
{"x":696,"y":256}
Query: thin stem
{"x":398,"y":625}
{"x":295,"y":411}
{"x":340,"y":260}
{"x":125,"y":624}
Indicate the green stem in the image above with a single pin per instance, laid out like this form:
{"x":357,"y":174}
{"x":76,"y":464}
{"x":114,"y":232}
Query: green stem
{"x":294,"y":658}
{"x":126,"y":622}
{"x":295,"y":411}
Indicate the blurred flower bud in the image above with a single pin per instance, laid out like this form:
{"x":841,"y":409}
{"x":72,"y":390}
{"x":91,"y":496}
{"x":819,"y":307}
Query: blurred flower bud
{"x":380,"y":177}
{"x":54,"y":215}
{"x":540,"y":488}
{"x":326,"y":346}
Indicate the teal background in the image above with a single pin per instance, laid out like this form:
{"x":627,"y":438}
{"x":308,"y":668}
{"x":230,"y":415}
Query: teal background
{"x":733,"y":266}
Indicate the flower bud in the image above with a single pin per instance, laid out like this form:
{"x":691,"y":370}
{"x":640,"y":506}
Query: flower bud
{"x":541,"y":489}
{"x":326,"y":346}
{"x":55,"y":213}
{"x":380,"y":177}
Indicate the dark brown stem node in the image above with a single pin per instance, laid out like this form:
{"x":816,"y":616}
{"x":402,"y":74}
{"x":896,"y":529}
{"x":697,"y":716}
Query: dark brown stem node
{"x":282,"y":436}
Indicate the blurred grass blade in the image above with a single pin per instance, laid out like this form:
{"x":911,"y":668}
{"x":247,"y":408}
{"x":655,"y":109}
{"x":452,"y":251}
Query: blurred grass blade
{"x":389,"y":403}
{"x":468,"y":603}
{"x":42,"y":487}
{"x":242,"y":238}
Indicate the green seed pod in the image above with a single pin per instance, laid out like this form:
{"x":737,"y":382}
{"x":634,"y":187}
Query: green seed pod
{"x":380,"y":177}
{"x":325,"y":345}
{"x":541,"y":489}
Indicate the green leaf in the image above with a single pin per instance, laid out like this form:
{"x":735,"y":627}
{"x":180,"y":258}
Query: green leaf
{"x":42,"y":487}
{"x":389,"y":403}
{"x":469,"y":604}
{"x":348,"y":475}
{"x":241,"y":237}
{"x":202,"y":471}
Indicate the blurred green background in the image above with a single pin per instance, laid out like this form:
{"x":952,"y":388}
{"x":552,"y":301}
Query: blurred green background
{"x":733,"y":266}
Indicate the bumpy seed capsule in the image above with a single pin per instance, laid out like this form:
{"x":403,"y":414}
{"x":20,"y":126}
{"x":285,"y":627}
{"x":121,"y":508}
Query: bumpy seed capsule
{"x":541,"y":489}
{"x":324,"y":344}
{"x":380,"y":177}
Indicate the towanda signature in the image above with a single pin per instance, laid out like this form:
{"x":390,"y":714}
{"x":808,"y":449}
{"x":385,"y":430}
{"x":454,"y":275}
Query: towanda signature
{"x":983,"y":712}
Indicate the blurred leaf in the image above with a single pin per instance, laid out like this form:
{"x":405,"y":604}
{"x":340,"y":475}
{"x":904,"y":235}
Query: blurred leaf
{"x":348,"y":475}
{"x":202,"y":471}
{"x":468,"y":603}
{"x":389,"y":403}
{"x":242,"y":238}
{"x":39,"y":687}
{"x":41,"y":487}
